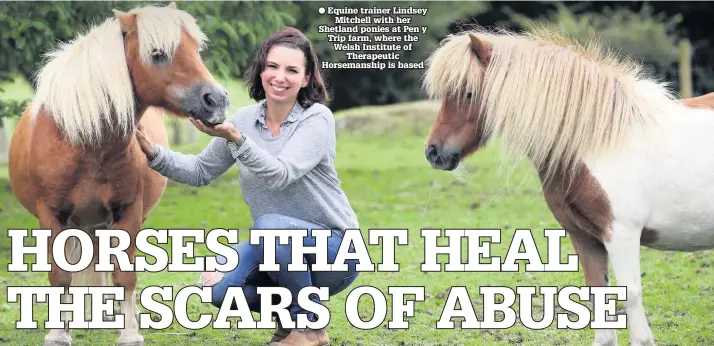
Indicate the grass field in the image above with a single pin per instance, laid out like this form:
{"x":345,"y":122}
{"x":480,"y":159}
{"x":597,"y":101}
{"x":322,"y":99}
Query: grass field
{"x":384,"y":173}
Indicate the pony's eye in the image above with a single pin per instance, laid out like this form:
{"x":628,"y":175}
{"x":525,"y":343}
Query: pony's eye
{"x":158,"y":56}
{"x":468,"y":95}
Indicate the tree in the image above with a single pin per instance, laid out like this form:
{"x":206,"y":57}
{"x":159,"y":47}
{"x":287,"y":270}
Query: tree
{"x":29,"y":29}
{"x":639,"y":35}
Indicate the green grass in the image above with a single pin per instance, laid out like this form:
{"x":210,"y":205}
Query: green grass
{"x":389,"y":184}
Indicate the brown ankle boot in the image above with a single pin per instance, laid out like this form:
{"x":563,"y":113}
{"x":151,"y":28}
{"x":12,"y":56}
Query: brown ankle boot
{"x":305,"y":337}
{"x":280,"y":334}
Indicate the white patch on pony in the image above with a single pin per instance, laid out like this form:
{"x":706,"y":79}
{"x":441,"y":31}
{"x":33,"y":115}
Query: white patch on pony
{"x":664,"y":183}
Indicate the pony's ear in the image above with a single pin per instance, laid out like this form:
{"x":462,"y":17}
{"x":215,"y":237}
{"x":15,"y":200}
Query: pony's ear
{"x":172,"y":4}
{"x":126,"y":21}
{"x":481,"y":48}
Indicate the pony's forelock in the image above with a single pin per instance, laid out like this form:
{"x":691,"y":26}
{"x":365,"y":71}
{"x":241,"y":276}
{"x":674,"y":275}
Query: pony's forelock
{"x":160,"y":28}
{"x":453,"y":70}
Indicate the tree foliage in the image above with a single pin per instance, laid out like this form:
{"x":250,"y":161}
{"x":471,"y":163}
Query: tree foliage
{"x":640,"y":35}
{"x":29,"y":29}
{"x":236,"y":29}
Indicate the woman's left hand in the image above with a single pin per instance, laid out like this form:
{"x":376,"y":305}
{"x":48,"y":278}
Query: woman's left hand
{"x":225,"y":130}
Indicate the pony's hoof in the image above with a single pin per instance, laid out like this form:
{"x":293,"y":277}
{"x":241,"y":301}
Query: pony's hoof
{"x":641,"y":337}
{"x":646,"y":342}
{"x":136,"y":340}
{"x":57,"y":341}
{"x":131,"y":343}
{"x":605,"y":343}
{"x":605,"y":337}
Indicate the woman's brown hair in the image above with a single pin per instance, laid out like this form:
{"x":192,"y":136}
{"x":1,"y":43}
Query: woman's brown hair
{"x":315,"y":91}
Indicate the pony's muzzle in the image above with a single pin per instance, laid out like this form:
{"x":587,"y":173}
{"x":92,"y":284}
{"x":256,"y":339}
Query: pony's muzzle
{"x":212,"y":102}
{"x":443,"y":158}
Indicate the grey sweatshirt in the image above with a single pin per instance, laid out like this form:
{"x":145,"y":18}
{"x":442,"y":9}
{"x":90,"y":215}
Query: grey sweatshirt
{"x":292,"y":174}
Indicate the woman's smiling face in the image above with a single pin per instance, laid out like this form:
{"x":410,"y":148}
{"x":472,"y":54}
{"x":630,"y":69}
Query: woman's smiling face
{"x":284,"y":74}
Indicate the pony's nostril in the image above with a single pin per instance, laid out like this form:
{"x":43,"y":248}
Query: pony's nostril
{"x":216,"y":99}
{"x":454,"y":160}
{"x":455,"y":157}
{"x":432,"y":152}
{"x":209,"y":99}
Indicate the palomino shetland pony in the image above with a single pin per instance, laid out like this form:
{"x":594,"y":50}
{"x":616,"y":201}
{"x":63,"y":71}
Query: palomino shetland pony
{"x":74,"y":158}
{"x":622,"y":162}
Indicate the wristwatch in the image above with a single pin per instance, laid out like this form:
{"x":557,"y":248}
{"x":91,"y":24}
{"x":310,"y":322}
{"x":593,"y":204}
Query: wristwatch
{"x":235,"y":145}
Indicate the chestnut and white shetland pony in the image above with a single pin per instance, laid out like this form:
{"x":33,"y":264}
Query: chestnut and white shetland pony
{"x":622,"y":162}
{"x":74,"y":159}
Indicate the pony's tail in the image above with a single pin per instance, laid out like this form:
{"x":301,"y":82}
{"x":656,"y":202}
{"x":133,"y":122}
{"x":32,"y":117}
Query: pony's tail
{"x":86,"y":277}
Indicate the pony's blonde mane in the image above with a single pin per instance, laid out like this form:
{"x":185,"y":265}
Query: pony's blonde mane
{"x":547,"y":96}
{"x":85,"y":85}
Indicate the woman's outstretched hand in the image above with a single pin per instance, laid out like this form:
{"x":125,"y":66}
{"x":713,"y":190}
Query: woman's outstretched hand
{"x":146,"y":146}
{"x":225,"y":130}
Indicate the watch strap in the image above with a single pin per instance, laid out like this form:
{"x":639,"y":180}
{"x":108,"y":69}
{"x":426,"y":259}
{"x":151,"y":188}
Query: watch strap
{"x":234,"y":146}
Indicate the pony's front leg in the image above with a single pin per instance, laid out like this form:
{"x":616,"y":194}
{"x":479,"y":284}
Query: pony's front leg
{"x":58,"y":277}
{"x":130,"y":221}
{"x":624,"y":252}
{"x":593,"y":259}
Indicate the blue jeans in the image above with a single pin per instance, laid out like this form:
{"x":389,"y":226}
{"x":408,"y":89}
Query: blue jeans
{"x":247,"y":275}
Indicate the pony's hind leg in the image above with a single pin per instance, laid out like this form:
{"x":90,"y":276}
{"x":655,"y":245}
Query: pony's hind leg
{"x":130,"y":222}
{"x":593,"y":258}
{"x":624,"y":251}
{"x":58,"y":277}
